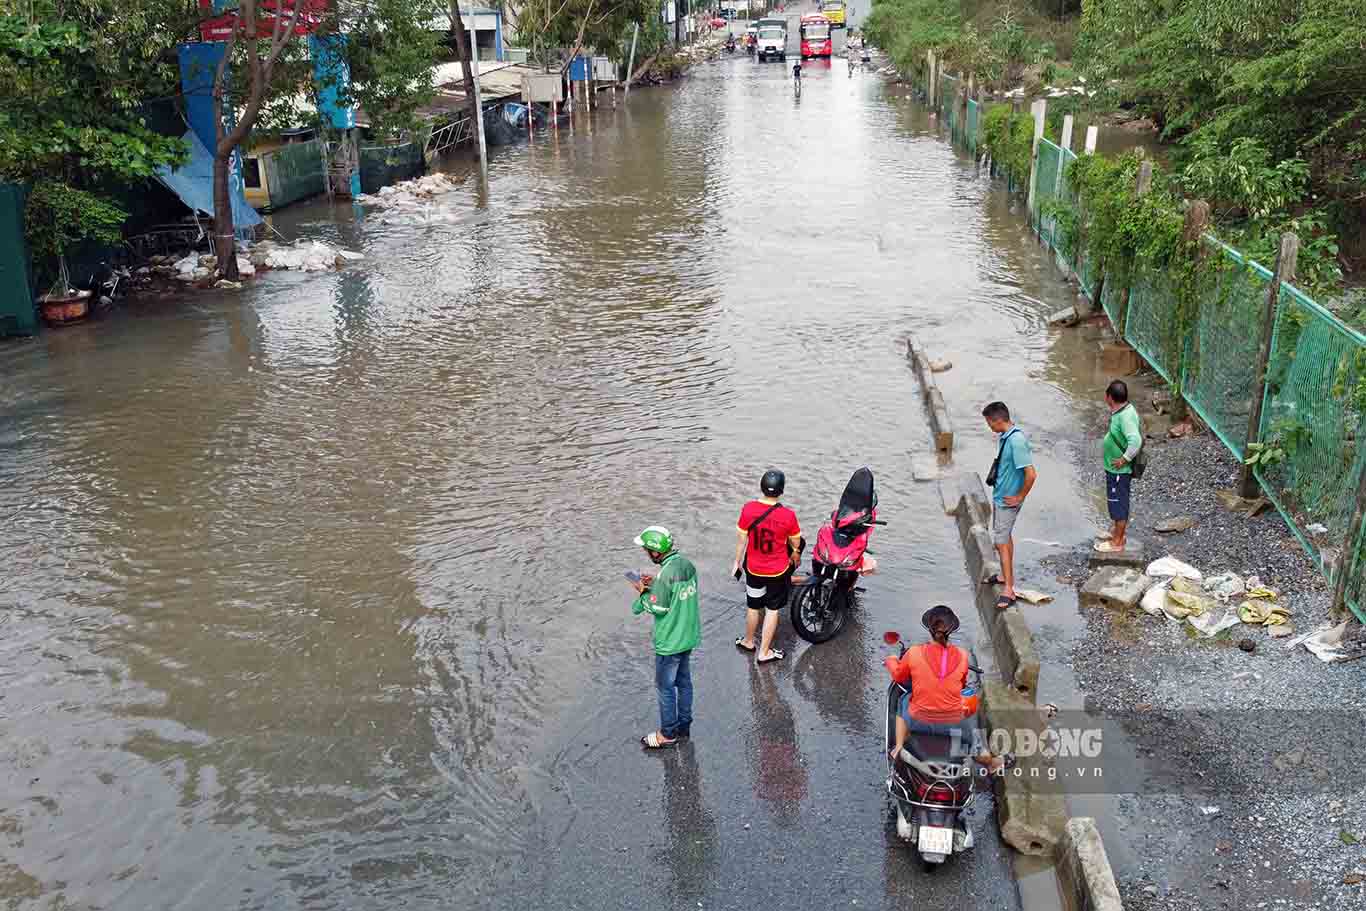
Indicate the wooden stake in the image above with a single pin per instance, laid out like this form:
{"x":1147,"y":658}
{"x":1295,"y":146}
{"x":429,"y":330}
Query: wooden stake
{"x":1346,"y":559}
{"x":1283,"y":272}
{"x":1039,"y":109}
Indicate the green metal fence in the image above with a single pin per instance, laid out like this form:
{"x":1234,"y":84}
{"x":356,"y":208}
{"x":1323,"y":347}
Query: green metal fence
{"x":1221,"y":364}
{"x":381,"y":166}
{"x":17,"y":314}
{"x":973,"y":127}
{"x":1314,"y":410}
{"x":294,"y":172}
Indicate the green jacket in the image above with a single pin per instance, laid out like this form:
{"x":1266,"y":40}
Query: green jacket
{"x":1125,"y":435}
{"x":672,"y":600}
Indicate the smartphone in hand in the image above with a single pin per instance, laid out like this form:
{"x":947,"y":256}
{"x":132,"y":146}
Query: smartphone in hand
{"x":632,"y":576}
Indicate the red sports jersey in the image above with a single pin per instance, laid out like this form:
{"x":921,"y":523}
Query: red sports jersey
{"x":766,"y":552}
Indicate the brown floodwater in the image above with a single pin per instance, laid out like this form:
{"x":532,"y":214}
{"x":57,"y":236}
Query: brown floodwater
{"x":313,"y":591}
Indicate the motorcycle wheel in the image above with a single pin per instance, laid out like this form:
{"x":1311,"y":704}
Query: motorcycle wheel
{"x":819,"y":610}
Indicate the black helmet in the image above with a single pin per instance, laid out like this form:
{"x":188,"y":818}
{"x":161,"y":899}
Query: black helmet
{"x":772,"y":483}
{"x":940,"y":612}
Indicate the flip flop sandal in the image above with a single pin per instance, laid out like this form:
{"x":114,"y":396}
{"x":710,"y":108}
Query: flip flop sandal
{"x":994,"y":579}
{"x":652,"y":741}
{"x":1105,"y":547}
{"x":1003,"y":602}
{"x":740,"y":644}
{"x":776,"y":656}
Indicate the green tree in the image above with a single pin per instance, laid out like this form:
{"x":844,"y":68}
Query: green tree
{"x":74,"y":76}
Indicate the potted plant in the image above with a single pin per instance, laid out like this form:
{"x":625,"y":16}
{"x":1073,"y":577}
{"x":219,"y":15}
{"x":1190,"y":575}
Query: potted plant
{"x":59,"y":216}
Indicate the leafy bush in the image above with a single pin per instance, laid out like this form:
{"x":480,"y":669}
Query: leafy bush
{"x":1009,"y":137}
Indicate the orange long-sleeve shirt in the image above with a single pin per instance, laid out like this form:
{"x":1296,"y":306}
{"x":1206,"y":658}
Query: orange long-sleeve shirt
{"x":937,"y":675}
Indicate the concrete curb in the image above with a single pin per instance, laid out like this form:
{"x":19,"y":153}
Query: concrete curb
{"x":1010,"y":636}
{"x":934,"y":399}
{"x":1030,"y":809}
{"x":1088,"y":883}
{"x":1031,"y":812}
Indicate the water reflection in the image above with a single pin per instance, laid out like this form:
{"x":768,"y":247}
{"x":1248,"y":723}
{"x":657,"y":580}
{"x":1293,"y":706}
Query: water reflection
{"x":777,"y":770}
{"x":693,"y":838}
{"x":834,"y":675}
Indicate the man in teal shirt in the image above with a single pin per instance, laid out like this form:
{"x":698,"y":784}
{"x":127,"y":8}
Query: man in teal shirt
{"x":1014,"y":480}
{"x":1123,"y":441}
{"x":671,"y":599}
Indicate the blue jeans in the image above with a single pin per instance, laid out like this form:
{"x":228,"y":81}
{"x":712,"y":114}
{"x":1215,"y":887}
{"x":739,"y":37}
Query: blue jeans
{"x":673,"y":681}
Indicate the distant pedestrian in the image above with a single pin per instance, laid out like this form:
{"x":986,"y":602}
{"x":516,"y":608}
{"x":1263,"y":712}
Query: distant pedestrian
{"x":768,"y":546}
{"x":1121,"y":446}
{"x":671,"y":599}
{"x":1011,"y":478}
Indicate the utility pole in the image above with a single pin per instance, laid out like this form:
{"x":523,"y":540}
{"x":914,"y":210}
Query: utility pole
{"x":479,"y":104}
{"x":630,"y":63}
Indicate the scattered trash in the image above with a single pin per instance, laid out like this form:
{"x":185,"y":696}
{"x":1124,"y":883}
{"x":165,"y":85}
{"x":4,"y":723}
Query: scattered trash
{"x":227,"y":285}
{"x":1225,"y":587}
{"x":1207,"y":626}
{"x":1347,"y":838}
{"x":1281,"y":630}
{"x":1262,"y":612}
{"x":1354,"y":878}
{"x":1174,"y":525}
{"x":1170,"y":566}
{"x":1325,"y":643}
{"x":940,"y":366}
{"x":1154,"y":599}
{"x":409,"y":193}
{"x":305,"y":256}
{"x":1317,"y":528}
{"x":1247,"y":645}
{"x":1209,"y":811}
{"x":1032,"y":596}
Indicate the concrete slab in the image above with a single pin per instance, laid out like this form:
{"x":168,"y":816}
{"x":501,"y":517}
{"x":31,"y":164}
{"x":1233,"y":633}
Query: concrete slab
{"x":1133,"y":555}
{"x":1064,"y":318}
{"x":1014,"y":647}
{"x":1117,"y":588}
{"x":926,"y":468}
{"x":1030,"y":808}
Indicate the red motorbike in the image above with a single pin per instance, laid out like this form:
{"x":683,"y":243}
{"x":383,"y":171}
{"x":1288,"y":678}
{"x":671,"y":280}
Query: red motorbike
{"x":821,"y":606}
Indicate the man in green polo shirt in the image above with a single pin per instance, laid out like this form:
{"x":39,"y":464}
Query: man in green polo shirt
{"x":671,"y":599}
{"x":1123,"y":440}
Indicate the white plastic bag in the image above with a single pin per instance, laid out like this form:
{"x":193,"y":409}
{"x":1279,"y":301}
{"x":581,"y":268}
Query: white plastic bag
{"x":1154,"y":598}
{"x":1170,"y":566}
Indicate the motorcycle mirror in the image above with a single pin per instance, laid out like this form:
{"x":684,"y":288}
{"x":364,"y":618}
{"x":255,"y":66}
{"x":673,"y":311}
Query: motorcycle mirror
{"x":891,"y":637}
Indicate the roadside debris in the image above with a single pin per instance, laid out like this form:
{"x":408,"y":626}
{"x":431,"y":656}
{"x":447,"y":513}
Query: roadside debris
{"x":1170,"y":566}
{"x":1325,"y":643}
{"x":939,"y":366}
{"x":311,"y":256}
{"x":1032,"y":596}
{"x":1174,"y":525}
{"x":1236,"y":504}
{"x":409,"y":193}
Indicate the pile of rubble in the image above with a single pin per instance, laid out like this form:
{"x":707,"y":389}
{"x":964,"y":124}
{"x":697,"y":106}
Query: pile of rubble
{"x":410,"y":193}
{"x":200,"y":268}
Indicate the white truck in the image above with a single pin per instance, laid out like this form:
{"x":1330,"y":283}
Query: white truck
{"x":772,"y":41}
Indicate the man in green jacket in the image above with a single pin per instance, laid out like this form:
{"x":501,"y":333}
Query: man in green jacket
{"x":1123,"y":440}
{"x":671,"y":599}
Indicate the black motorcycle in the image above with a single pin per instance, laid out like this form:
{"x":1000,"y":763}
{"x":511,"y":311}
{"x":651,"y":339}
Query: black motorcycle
{"x":930,"y":785}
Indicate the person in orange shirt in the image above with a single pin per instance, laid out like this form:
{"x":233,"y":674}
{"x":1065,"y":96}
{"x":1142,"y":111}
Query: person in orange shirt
{"x":937,"y":673}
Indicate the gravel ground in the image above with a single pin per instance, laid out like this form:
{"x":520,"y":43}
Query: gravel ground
{"x":1272,"y":737}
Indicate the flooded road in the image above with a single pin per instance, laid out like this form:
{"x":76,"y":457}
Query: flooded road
{"x":313,"y":591}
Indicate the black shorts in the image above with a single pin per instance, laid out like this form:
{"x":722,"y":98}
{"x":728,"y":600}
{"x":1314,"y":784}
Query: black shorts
{"x":767,"y":591}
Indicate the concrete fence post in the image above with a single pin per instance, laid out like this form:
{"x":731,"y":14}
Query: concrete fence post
{"x":1283,"y":272}
{"x":1038,"y":109}
{"x":1092,"y":137}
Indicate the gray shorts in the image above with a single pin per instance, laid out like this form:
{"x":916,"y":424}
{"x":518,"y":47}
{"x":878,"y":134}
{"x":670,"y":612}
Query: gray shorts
{"x":1003,"y":522}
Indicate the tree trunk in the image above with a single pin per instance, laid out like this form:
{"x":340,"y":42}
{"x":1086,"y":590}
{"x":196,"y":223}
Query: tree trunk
{"x":224,"y":230}
{"x":462,"y":47}
{"x":642,"y":69}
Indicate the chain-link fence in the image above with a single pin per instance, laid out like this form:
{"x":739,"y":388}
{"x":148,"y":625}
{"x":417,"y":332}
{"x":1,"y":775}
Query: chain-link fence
{"x":1220,"y":368}
{"x":973,"y":126}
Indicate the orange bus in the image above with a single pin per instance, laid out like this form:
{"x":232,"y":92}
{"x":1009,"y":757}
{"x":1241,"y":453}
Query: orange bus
{"x":815,"y":30}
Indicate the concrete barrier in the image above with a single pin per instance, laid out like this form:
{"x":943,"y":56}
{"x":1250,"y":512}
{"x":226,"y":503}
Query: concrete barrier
{"x":1030,"y":807}
{"x":1010,"y":636}
{"x":1088,"y":883}
{"x":934,"y":399}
